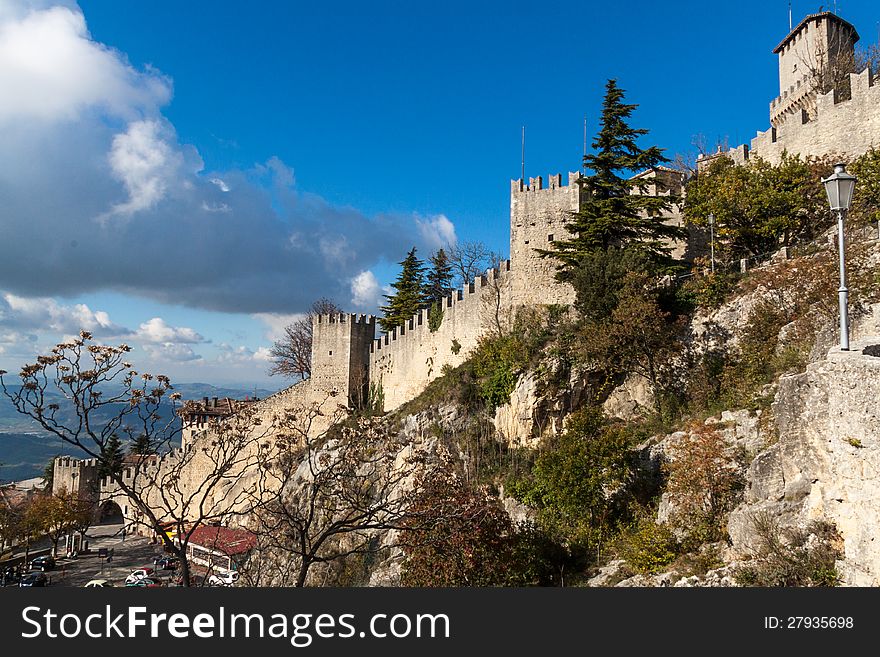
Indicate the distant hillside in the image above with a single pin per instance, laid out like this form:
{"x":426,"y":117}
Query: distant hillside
{"x":25,"y":448}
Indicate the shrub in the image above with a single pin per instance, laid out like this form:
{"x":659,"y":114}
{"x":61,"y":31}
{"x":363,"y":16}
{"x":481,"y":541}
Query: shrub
{"x":648,"y":547}
{"x":793,"y":557}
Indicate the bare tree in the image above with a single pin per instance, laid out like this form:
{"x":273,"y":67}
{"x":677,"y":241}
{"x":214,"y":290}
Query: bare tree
{"x":338,"y":493}
{"x":179,"y":489}
{"x":293,"y":353}
{"x":468,"y":260}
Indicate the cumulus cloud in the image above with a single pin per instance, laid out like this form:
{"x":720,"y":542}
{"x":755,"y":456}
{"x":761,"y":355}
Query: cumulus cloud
{"x":50,"y":69}
{"x":145,"y":163}
{"x":276,"y":323}
{"x":241,"y":355}
{"x":437,"y":231}
{"x":365,"y":291}
{"x":31,"y":314}
{"x":90,"y":128}
{"x":158,"y":331}
{"x":171,"y":352}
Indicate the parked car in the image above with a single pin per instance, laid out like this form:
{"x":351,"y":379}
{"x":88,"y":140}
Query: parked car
{"x":166,"y":563}
{"x":226,"y":578}
{"x":34,"y":579}
{"x":140,"y":573}
{"x":146,"y":582}
{"x":44,"y":563}
{"x":98,"y":584}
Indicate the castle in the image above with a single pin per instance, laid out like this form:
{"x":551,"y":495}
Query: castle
{"x":350,"y":364}
{"x":822,"y":108}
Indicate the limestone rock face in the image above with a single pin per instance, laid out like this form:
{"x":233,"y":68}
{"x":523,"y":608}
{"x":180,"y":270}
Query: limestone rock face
{"x":826,"y":462}
{"x":631,"y":399}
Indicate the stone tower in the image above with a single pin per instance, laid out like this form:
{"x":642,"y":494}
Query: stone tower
{"x":816,"y":57}
{"x":76,"y":476}
{"x":341,"y":355}
{"x":538,"y":217}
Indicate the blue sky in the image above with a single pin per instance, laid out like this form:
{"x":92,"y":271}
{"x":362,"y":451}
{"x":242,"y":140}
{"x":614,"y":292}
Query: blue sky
{"x":187,"y":177}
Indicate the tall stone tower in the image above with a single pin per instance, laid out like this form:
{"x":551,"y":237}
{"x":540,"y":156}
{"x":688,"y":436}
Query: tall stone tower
{"x":341,"y":355}
{"x":538,"y":217}
{"x":815,"y":58}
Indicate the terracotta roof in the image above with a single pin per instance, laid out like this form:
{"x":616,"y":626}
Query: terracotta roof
{"x":812,"y":17}
{"x":223,"y":539}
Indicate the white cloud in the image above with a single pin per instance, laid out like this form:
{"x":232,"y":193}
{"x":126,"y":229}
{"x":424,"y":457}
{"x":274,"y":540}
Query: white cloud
{"x":276,"y":323}
{"x":241,"y":355}
{"x":365,"y":291}
{"x":437,"y":231}
{"x":145,"y":163}
{"x":51,"y":70}
{"x":157,"y":331}
{"x":220,"y":183}
{"x":171,"y":352}
{"x":46,"y":314}
{"x":261,"y":247}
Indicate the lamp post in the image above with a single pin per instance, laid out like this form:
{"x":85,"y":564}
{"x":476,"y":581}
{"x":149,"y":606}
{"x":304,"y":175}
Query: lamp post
{"x":712,"y":240}
{"x":839,"y":187}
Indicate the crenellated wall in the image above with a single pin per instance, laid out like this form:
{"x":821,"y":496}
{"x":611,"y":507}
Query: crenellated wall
{"x":77,"y":476}
{"x":538,"y":217}
{"x":405,"y":361}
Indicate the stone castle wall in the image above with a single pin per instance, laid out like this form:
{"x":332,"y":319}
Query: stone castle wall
{"x":406,"y":360}
{"x":77,"y":476}
{"x":538,"y":217}
{"x":847,"y":128}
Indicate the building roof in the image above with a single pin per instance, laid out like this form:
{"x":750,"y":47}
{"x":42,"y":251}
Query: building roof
{"x":815,"y":17}
{"x":227,"y":540}
{"x":213,"y":407}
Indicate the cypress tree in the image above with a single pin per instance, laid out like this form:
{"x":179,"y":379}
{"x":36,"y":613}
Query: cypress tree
{"x":611,"y":214}
{"x":409,"y":290}
{"x":111,"y":461}
{"x":438,"y":283}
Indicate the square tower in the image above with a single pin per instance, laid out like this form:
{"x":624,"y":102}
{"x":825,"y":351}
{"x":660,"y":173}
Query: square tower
{"x":538,"y":217}
{"x":816,"y":57}
{"x":341,"y":355}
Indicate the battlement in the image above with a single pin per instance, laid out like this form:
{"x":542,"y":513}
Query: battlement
{"x":460,"y":301}
{"x":345,"y":318}
{"x":845,"y":127}
{"x":537,"y":184}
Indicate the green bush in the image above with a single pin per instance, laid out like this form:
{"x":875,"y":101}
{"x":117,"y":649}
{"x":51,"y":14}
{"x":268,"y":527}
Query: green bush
{"x":648,"y":547}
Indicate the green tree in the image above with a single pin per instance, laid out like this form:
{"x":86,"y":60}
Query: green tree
{"x":408,"y":295}
{"x":113,"y":456}
{"x":49,"y":473}
{"x":758,"y":206}
{"x":575,"y":481}
{"x":866,"y":200}
{"x":438,"y":281}
{"x":617,"y":210}
{"x":142,"y":446}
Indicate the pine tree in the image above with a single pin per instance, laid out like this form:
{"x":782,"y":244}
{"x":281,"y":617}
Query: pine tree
{"x":617,"y":212}
{"x":142,"y":446}
{"x":407,"y":299}
{"x":438,"y":282}
{"x":111,"y":460}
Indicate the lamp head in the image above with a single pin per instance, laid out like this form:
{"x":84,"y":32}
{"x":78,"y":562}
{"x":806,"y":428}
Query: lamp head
{"x":839,"y":187}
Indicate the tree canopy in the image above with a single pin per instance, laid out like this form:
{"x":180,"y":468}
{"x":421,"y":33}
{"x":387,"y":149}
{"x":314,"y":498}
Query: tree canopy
{"x":408,"y":295}
{"x":616,"y":210}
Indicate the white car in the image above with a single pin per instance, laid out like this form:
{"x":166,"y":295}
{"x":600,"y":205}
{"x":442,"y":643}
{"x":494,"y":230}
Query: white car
{"x":139,"y":574}
{"x":227,"y":578}
{"x":98,"y":584}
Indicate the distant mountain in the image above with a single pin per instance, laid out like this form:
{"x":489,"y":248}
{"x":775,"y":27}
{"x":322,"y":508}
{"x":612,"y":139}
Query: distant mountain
{"x":25,"y":448}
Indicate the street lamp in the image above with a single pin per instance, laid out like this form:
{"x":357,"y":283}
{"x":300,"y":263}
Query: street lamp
{"x":712,"y":239}
{"x":839,"y":187}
